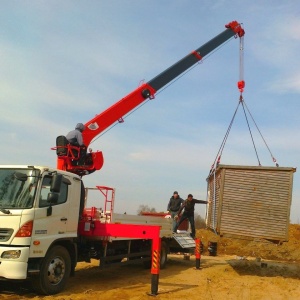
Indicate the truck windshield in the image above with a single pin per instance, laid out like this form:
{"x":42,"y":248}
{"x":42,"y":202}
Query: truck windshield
{"x":16,"y":193}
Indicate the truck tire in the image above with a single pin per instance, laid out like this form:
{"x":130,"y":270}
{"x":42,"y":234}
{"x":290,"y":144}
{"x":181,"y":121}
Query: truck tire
{"x":54,"y":272}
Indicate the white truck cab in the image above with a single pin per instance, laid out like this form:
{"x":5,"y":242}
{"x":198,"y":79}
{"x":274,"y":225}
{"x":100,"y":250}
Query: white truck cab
{"x":35,"y":213}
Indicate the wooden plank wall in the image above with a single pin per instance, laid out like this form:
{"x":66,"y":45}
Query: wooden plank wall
{"x":214,"y":188}
{"x":251,"y":202}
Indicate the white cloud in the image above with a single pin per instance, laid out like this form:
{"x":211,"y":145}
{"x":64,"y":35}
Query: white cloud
{"x":286,"y":85}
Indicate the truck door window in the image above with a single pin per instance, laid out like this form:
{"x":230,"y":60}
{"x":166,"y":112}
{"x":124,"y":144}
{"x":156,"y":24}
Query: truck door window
{"x":45,"y":189}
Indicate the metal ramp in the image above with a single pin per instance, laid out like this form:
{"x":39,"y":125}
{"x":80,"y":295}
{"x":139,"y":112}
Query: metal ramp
{"x":184,"y":240}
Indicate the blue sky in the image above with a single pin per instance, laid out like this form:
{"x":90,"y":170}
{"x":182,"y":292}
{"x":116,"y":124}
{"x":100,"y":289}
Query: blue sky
{"x":63,"y":62}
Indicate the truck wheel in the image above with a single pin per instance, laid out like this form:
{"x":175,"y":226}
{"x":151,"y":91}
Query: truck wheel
{"x":54,"y":272}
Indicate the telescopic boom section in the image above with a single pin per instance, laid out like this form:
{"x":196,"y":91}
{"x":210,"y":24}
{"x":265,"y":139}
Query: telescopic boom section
{"x":146,"y":91}
{"x":67,"y":157}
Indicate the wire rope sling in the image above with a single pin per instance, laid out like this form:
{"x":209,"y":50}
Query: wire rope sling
{"x":212,"y":180}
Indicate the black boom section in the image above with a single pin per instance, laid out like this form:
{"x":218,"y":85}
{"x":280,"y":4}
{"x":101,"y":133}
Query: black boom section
{"x":185,"y":63}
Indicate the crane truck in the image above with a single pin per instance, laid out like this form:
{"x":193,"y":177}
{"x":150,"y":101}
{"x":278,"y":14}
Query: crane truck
{"x":46,"y":227}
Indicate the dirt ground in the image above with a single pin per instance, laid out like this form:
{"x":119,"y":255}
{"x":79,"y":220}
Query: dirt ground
{"x":241,"y":269}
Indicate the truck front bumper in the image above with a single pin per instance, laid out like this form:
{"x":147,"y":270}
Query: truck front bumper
{"x":14,"y":268}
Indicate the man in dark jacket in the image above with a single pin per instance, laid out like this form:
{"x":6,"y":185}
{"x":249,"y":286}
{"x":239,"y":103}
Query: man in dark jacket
{"x":174,"y":206}
{"x":188,"y":213}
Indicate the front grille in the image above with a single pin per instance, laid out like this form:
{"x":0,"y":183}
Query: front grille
{"x":5,"y":234}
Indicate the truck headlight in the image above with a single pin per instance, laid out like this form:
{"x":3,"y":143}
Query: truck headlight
{"x":11,"y":254}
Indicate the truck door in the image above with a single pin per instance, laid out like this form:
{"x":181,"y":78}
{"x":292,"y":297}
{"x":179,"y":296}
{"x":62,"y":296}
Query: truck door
{"x":56,"y":223}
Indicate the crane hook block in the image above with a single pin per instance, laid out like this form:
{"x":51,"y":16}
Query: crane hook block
{"x":241,"y":85}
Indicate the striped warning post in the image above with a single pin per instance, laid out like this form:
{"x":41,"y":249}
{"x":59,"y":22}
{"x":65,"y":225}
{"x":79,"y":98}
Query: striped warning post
{"x":155,"y":266}
{"x":198,"y":253}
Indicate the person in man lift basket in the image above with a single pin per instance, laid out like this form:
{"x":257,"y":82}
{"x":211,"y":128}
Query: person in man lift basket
{"x":188,"y":213}
{"x":74,"y":137}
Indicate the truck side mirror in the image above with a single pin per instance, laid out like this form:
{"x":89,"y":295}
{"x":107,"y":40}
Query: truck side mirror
{"x":56,"y":183}
{"x":52,"y":198}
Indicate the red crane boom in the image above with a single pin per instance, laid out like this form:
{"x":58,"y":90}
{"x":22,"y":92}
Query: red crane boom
{"x":116,"y":112}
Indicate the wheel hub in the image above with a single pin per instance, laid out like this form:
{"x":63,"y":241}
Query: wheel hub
{"x":56,"y":270}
